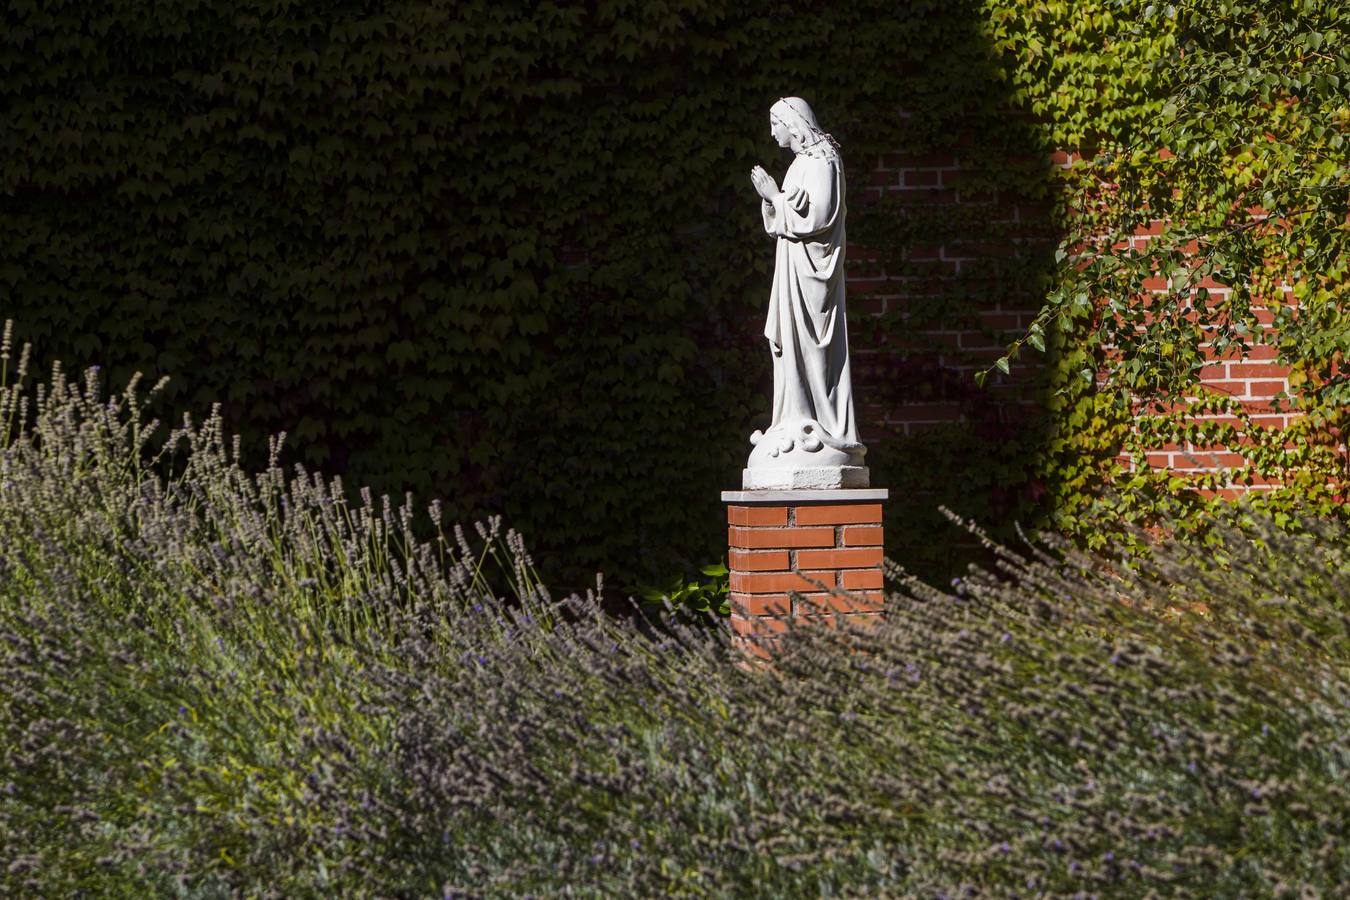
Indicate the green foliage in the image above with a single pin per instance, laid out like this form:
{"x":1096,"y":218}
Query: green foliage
{"x":1226,"y":122}
{"x":226,"y":684}
{"x":694,"y":600}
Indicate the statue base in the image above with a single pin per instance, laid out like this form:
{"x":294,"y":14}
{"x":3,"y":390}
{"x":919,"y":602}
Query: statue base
{"x":803,"y":478}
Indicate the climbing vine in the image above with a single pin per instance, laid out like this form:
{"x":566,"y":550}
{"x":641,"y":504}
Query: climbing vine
{"x":1206,"y":224}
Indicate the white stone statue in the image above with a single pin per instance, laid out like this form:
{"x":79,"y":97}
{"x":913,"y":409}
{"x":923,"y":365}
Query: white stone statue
{"x":812,"y":441}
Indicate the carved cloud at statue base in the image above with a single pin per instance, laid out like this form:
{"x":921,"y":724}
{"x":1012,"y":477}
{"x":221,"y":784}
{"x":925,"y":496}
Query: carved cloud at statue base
{"x":803,"y":457}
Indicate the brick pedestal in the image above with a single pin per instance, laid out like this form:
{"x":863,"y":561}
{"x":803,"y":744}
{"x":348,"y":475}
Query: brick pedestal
{"x":788,"y":549}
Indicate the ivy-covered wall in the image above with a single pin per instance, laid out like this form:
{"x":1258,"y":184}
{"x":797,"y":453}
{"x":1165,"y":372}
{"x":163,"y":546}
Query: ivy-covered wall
{"x":1197,"y":304}
{"x":1192,"y":325}
{"x":505,"y":254}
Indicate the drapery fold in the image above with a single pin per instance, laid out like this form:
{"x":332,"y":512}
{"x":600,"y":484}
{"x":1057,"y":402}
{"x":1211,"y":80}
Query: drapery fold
{"x":806,"y":328}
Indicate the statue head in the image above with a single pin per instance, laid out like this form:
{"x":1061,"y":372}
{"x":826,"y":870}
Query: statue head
{"x":793,"y":124}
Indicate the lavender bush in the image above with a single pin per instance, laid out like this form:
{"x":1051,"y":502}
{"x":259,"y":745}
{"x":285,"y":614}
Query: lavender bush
{"x":215,"y":684}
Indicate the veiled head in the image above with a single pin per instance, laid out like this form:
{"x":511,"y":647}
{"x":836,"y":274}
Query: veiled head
{"x":796,"y":114}
{"x":791,"y":122}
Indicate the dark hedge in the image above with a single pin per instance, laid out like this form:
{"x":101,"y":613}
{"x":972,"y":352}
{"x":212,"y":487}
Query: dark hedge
{"x":502,"y":253}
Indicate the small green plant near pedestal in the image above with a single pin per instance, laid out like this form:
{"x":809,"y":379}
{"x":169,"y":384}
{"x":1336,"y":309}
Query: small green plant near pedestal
{"x":701,"y":600}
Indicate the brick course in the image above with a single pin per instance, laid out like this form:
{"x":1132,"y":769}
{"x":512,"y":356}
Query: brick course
{"x":756,"y":538}
{"x":757,"y":515}
{"x":839,"y":514}
{"x":839,"y":559}
{"x":863,"y":536}
{"x":758,"y":560}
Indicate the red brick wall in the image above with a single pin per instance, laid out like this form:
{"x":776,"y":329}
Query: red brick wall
{"x":1253,"y":382}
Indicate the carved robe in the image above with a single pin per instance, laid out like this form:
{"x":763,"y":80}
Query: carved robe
{"x":806,"y":326}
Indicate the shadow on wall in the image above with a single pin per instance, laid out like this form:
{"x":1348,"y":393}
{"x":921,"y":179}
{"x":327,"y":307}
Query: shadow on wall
{"x":954,"y":245}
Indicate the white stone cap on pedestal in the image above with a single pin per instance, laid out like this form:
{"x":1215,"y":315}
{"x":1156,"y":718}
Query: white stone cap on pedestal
{"x":836,"y":495}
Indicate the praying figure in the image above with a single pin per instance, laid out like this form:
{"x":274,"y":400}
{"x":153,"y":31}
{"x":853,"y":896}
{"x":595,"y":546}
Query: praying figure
{"x":812,"y":441}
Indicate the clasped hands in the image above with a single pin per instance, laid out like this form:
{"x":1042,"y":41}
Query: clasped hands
{"x":764,"y":184}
